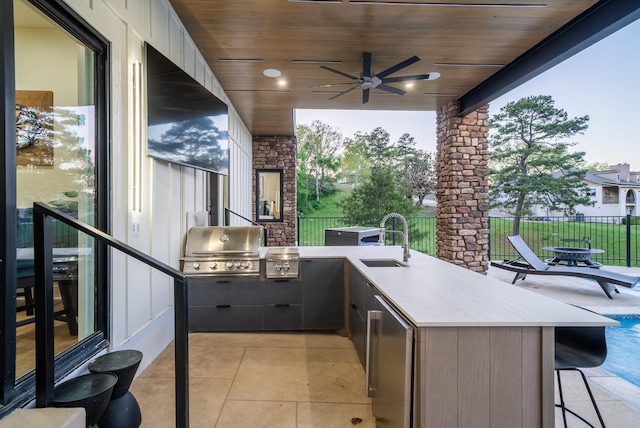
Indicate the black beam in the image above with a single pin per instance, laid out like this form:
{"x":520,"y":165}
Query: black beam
{"x":604,"y":18}
{"x":181,"y":313}
{"x":43,"y":257}
{"x":8,"y":267}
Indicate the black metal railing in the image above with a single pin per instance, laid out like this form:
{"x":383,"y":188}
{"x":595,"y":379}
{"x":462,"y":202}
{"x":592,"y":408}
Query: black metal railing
{"x":618,"y":236}
{"x":422,"y":235}
{"x":43,"y":244}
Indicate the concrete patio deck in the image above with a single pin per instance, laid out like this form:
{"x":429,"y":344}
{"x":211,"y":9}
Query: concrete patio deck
{"x":618,"y":400}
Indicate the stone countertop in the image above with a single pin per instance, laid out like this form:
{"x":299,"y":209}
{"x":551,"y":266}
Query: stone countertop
{"x":434,"y":293}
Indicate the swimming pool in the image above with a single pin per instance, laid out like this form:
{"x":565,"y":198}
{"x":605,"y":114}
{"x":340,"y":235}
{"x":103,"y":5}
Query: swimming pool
{"x":623,"y":348}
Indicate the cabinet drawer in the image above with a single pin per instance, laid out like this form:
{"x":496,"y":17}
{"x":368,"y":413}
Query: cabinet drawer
{"x":277,"y":291}
{"x":282,"y":317}
{"x":225,"y":318}
{"x":214,"y":292}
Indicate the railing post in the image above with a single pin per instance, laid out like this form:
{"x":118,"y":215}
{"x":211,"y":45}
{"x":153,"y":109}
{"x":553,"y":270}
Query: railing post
{"x":629,"y":239}
{"x":43,"y":265}
{"x":298,"y":229}
{"x":180,"y":293}
{"x":489,"y":237}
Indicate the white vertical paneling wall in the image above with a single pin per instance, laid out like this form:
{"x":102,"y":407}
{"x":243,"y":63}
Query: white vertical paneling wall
{"x":141,"y":299}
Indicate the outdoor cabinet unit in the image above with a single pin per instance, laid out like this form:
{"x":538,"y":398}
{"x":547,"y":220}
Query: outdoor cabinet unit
{"x":225,"y":304}
{"x":323,"y":293}
{"x":352,"y":235}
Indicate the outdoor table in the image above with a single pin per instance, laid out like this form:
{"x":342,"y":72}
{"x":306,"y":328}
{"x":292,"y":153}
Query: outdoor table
{"x":573,"y":256}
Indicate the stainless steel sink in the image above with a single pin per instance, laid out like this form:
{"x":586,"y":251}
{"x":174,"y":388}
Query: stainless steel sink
{"x":382,"y":263}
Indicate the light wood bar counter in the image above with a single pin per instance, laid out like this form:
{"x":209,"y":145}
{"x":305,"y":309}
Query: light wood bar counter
{"x":484,"y":349}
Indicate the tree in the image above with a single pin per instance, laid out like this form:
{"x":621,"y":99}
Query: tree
{"x":320,"y":144}
{"x":380,"y":194}
{"x":530,"y":162}
{"x":420,"y":173}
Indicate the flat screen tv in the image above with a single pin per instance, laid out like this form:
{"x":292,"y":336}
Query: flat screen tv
{"x":186,"y":124}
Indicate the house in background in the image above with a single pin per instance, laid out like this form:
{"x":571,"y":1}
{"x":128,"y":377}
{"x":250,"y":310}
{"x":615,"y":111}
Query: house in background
{"x":616,"y":192}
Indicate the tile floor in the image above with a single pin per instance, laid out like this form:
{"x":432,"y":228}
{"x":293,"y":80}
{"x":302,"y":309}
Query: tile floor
{"x":260,"y":380}
{"x":315,"y":380}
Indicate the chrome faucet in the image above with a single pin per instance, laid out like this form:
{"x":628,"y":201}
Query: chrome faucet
{"x":405,"y":235}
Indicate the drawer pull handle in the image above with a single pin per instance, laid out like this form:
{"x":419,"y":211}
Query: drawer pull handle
{"x":282,"y":305}
{"x":223,"y":306}
{"x":223,"y":281}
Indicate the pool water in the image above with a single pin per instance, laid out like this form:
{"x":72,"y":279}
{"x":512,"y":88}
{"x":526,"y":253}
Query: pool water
{"x":623,"y":348}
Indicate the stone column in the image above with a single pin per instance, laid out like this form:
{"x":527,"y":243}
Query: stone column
{"x":278,"y":152}
{"x":462,"y":190}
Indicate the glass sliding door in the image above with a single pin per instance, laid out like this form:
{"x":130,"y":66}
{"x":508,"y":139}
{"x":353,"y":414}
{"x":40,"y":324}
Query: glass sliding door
{"x":60,"y":158}
{"x":55,"y":164}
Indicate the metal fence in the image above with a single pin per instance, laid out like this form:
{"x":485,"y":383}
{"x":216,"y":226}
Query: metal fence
{"x":422,"y":235}
{"x":617,"y":236}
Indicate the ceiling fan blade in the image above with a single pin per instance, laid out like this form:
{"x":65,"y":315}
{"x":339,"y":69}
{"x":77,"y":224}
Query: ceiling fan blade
{"x":428,"y":76}
{"x":397,"y":67}
{"x":391,"y":89}
{"x":344,"y":92}
{"x":366,"y":64}
{"x":365,"y":96}
{"x":339,"y":72}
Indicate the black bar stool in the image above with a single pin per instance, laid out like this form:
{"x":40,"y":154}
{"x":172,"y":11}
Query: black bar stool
{"x":582,"y":347}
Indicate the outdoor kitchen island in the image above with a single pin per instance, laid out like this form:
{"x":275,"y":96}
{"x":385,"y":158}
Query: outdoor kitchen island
{"x":482,"y":350}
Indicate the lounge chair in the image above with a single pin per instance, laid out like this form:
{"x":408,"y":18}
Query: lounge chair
{"x":530,"y":264}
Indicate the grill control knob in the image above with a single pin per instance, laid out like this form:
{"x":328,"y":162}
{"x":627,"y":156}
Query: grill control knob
{"x":286,"y":266}
{"x":229,"y":265}
{"x":246,"y":265}
{"x":213,"y":266}
{"x":237,"y":265}
{"x":196,"y":266}
{"x":278,"y":266}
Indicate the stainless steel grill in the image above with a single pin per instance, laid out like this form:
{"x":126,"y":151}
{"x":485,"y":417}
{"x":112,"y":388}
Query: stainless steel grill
{"x":222,"y":250}
{"x":282,"y":262}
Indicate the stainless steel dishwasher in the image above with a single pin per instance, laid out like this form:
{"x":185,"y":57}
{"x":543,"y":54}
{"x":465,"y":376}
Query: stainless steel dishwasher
{"x":389,"y":365}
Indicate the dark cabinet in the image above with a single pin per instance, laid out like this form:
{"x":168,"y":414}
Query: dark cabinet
{"x":361,"y":299}
{"x":314,"y":301}
{"x":323,"y":293}
{"x":357,"y":312}
{"x":225,"y":304}
{"x":282,"y":304}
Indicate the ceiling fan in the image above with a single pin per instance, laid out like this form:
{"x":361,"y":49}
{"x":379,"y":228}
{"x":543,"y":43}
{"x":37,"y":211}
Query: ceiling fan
{"x":368,"y":80}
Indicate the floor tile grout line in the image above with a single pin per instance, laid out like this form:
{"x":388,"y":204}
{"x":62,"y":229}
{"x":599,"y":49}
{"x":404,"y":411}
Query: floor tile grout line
{"x":233,"y":379}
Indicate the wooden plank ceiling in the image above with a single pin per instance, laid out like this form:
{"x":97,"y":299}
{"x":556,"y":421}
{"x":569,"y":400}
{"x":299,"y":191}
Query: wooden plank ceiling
{"x":466,"y":41}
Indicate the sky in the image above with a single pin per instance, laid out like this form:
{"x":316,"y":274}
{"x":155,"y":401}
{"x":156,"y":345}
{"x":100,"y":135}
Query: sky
{"x":602,"y":82}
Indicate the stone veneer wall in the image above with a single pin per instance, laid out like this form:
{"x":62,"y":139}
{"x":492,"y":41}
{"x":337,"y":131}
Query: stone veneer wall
{"x":462,"y":190}
{"x":278,"y":152}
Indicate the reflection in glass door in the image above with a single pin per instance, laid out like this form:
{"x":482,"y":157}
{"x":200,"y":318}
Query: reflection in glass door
{"x":55,"y":164}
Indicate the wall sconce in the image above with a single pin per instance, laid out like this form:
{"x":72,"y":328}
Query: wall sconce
{"x":137,"y":137}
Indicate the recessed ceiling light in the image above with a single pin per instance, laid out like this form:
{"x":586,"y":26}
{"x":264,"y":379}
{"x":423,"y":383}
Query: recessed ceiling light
{"x":272,"y":72}
{"x":282,"y":82}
